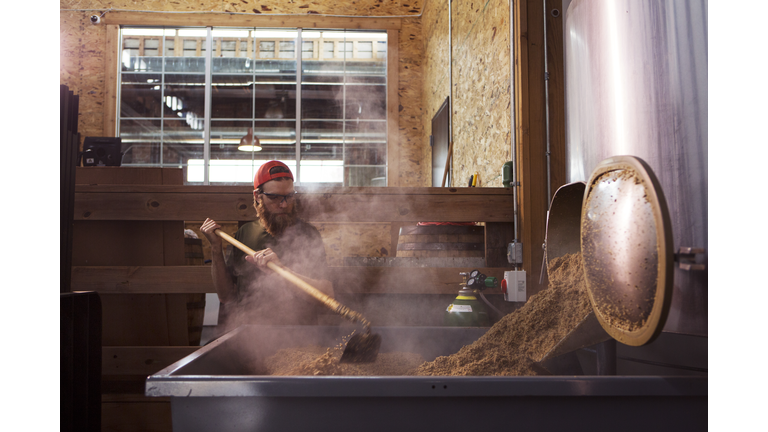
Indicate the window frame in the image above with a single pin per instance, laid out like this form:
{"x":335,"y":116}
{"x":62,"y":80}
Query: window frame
{"x":391,"y":25}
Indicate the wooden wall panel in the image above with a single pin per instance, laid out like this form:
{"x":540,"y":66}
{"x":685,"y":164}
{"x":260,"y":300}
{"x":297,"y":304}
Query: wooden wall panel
{"x":481,"y":95}
{"x":556,"y":68}
{"x":436,"y":85}
{"x":411,"y":167}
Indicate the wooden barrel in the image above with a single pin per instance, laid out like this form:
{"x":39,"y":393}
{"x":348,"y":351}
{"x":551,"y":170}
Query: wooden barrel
{"x":441,"y":241}
{"x":193,"y":255}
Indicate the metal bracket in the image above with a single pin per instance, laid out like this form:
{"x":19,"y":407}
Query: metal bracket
{"x":686,"y":258}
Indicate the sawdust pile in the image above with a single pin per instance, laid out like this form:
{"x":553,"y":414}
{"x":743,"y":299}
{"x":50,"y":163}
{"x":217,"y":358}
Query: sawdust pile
{"x":316,"y":361}
{"x":509,"y":348}
{"x":521,"y":338}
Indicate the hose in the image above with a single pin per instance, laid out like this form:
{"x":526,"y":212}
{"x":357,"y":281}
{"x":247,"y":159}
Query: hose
{"x":500,"y":313}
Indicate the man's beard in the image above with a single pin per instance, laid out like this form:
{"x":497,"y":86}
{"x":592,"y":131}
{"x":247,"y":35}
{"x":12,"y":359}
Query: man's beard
{"x":275,"y":223}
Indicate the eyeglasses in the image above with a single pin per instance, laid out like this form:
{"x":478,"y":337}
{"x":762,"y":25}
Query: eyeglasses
{"x":276,"y":198}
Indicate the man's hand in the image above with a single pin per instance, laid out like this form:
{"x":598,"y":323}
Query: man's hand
{"x":261,"y":258}
{"x":208,"y":228}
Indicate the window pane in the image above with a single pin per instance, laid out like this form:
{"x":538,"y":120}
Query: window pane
{"x":381,"y":50}
{"x":365,"y":143}
{"x":185,"y":64}
{"x":287,"y":50}
{"x":365,"y":176}
{"x":328,"y":49}
{"x":180,"y":142}
{"x":366,"y":102}
{"x":169,"y":48}
{"x":266,"y":49}
{"x":277,"y":140}
{"x":184,"y":93}
{"x":322,"y":91}
{"x":140,"y":142}
{"x":322,"y":140}
{"x":321,"y":171}
{"x":140,"y":95}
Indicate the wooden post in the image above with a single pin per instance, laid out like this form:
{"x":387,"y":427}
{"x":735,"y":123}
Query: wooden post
{"x":111,"y":54}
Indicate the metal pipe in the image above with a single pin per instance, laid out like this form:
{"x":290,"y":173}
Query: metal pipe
{"x":298,"y":105}
{"x":450,"y":94}
{"x":546,"y":109}
{"x":208,"y":95}
{"x":162,"y":93}
{"x":606,"y":357}
{"x":513,"y":113}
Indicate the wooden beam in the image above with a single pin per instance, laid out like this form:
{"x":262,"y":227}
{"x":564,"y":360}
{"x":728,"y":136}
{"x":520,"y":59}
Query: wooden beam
{"x":531,"y":142}
{"x":249,"y":20}
{"x":197,"y":279}
{"x":497,"y":236}
{"x":556,"y":68}
{"x":111,"y":53}
{"x":143,"y":279}
{"x":139,"y":360}
{"x":153,"y":202}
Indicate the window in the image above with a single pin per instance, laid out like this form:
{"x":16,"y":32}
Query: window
{"x":181,"y":107}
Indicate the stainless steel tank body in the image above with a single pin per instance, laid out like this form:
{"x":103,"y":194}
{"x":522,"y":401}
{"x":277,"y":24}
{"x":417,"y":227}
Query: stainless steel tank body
{"x":636,"y":84}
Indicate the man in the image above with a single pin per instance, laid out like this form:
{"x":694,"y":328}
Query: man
{"x":249,"y":292}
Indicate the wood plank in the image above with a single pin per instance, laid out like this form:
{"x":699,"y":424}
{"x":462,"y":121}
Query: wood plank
{"x":141,"y":360}
{"x":531,"y":140}
{"x":130,"y":416}
{"x":556,"y":68}
{"x":132,"y":185}
{"x":143,"y":279}
{"x":111,"y":50}
{"x":497,"y":236}
{"x":193,"y":203}
{"x":393,"y":109}
{"x":134,"y":319}
{"x":249,"y":20}
{"x":197,"y":279}
{"x":119,"y":176}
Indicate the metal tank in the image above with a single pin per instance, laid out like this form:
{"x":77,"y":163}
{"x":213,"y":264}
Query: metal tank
{"x":636,"y":84}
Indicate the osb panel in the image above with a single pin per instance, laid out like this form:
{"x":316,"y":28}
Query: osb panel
{"x":366,"y":240}
{"x":348,"y":7}
{"x":436,"y":84}
{"x":481,"y":106}
{"x":354,"y":240}
{"x":91,"y":94}
{"x":412,"y":170}
{"x":69,"y":45}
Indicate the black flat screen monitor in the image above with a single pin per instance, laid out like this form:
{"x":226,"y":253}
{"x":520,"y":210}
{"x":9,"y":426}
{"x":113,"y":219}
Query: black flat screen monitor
{"x":102,"y":151}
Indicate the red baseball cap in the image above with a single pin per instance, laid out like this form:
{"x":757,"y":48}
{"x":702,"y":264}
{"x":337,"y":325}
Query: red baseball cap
{"x":263,"y":175}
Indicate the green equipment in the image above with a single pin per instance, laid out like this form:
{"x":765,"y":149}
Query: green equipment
{"x":466,"y":310}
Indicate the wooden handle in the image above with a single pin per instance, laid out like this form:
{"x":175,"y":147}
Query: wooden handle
{"x":328,"y":301}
